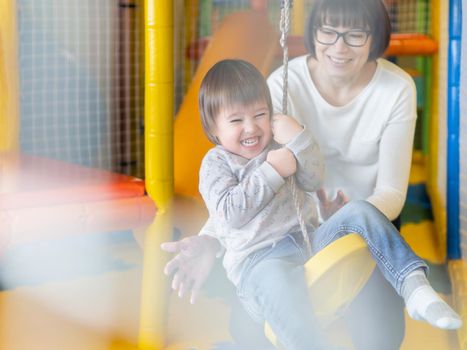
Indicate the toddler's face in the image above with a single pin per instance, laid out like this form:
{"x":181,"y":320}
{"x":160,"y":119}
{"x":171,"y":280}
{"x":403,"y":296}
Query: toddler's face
{"x":244,"y":130}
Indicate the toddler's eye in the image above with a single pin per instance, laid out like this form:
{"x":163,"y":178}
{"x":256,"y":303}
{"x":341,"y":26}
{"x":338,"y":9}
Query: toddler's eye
{"x":259,"y":115}
{"x":235,"y":120}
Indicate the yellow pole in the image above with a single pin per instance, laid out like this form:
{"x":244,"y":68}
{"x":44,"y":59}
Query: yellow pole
{"x":439,"y":23}
{"x":154,"y":287}
{"x":159,"y":100}
{"x":298,"y":19}
{"x":9,"y":77}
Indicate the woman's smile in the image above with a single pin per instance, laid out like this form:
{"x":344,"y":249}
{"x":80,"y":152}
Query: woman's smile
{"x":339,"y":61}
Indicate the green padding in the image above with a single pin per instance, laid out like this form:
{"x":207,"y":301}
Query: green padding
{"x":417,"y":206}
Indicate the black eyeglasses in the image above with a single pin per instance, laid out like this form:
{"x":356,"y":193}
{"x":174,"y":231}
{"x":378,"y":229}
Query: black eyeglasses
{"x":354,"y":37}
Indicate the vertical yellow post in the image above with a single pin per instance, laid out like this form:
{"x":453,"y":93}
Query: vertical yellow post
{"x":434,"y":119}
{"x":298,"y":19}
{"x":154,"y":286}
{"x":159,"y":100}
{"x":439,"y":31}
{"x":9,"y":77}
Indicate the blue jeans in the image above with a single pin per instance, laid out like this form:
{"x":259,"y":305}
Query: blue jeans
{"x":273,"y":286}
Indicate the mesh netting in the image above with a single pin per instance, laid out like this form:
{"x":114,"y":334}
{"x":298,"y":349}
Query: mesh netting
{"x":409,"y":16}
{"x":81,"y":71}
{"x":81,"y":82}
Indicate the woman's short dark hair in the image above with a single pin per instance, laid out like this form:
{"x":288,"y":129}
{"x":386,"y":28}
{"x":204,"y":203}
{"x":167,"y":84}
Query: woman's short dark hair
{"x":229,"y":83}
{"x":371,"y":14}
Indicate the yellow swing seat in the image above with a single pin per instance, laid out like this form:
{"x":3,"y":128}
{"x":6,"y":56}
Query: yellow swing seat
{"x":335,"y":275}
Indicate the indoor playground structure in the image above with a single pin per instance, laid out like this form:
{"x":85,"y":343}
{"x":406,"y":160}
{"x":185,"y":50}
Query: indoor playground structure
{"x":100,"y":146}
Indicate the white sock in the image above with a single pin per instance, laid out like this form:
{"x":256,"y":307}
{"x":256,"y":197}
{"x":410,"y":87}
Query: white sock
{"x":423,"y":303}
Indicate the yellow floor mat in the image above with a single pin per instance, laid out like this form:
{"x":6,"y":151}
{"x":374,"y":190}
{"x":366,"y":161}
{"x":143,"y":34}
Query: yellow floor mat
{"x":422,"y":239}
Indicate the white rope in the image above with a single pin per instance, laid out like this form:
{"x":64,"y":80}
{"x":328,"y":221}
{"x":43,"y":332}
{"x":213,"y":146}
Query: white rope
{"x":284,"y":27}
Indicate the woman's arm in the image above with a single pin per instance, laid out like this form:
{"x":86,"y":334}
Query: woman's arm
{"x":395,"y":156}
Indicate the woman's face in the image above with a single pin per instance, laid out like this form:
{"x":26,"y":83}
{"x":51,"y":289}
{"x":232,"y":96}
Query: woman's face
{"x":340,"y":60}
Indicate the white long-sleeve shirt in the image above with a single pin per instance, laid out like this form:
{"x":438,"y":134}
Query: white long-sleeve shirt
{"x":250,"y":206}
{"x":367,"y":143}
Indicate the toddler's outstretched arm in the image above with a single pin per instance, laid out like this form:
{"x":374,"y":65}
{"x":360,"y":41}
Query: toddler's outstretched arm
{"x":192,"y":263}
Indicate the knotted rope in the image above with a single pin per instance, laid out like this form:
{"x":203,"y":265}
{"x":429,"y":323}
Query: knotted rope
{"x":284,"y":27}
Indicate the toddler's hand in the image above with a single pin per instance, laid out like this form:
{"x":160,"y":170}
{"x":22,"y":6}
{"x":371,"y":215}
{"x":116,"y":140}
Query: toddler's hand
{"x":283,"y":160}
{"x":285,"y":128}
{"x":192,"y":264}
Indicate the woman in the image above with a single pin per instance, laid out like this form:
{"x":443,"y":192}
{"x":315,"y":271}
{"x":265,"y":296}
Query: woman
{"x":362,"y":110}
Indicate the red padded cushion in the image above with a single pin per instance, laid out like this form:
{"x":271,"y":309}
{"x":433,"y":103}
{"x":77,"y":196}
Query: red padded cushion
{"x":28,"y":181}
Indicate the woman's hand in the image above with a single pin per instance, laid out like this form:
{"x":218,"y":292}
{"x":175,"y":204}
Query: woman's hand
{"x":285,"y":128}
{"x":326,"y":207}
{"x":192,"y":264}
{"x":283,"y":160}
